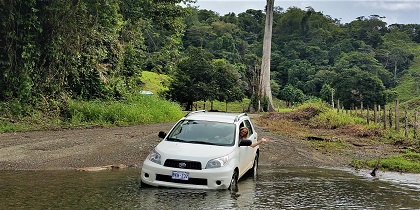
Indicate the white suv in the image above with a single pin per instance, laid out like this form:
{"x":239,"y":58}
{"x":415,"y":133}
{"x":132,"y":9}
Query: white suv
{"x":202,"y":151}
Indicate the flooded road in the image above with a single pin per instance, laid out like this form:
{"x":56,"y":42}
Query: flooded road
{"x":274,"y":188}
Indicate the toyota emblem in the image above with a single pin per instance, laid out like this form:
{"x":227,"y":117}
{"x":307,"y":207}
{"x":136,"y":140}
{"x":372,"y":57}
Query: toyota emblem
{"x":182,"y":165}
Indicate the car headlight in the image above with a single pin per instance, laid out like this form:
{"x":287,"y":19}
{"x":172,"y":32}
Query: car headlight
{"x":154,"y":157}
{"x":217,"y":162}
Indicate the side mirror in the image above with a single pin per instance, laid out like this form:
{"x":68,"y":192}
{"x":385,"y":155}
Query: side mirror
{"x":162,"y":134}
{"x":245,"y":143}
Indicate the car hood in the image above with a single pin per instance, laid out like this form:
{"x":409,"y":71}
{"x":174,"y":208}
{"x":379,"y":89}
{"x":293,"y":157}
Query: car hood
{"x":192,"y":152}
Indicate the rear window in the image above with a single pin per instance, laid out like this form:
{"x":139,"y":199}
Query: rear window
{"x":203,"y":132}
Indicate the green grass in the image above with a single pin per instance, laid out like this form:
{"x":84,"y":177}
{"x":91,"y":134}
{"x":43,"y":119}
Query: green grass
{"x":154,"y":82}
{"x":135,"y":110}
{"x":408,"y":162}
{"x":329,"y":146}
{"x":332,"y":119}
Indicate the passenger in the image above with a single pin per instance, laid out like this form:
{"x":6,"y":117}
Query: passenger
{"x":243,"y":134}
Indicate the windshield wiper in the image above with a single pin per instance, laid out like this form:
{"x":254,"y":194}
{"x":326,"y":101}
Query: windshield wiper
{"x":201,"y":142}
{"x":175,"y":139}
{"x":193,"y":142}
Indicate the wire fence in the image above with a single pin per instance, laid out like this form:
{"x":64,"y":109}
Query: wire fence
{"x":391,"y":118}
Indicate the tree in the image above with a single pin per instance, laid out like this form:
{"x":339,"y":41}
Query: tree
{"x":327,"y":94}
{"x":227,"y":82}
{"x":394,"y":54}
{"x":364,"y":61}
{"x":200,"y":77}
{"x":264,"y":86}
{"x":354,"y":86}
{"x":192,"y":78}
{"x":251,"y":25}
{"x":291,"y":94}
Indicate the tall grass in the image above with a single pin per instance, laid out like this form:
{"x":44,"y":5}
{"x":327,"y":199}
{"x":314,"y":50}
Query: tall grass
{"x":134,"y":110}
{"x":137,"y":109}
{"x":331,"y":119}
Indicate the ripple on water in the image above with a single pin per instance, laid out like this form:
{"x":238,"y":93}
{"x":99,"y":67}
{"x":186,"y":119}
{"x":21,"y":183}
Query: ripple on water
{"x":273,"y":188}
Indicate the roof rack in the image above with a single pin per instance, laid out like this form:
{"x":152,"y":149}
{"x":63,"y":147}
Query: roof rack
{"x":194,"y":112}
{"x":239,"y":116}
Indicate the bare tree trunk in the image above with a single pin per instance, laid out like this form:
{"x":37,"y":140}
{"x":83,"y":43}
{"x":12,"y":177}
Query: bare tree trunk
{"x":395,"y":70}
{"x":265,"y":88}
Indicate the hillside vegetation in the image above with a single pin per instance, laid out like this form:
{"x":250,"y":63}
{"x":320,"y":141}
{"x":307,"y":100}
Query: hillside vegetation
{"x":408,"y":87}
{"x":335,"y":133}
{"x":135,"y":109}
{"x":56,"y":52}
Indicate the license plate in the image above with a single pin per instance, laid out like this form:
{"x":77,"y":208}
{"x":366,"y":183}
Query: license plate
{"x":180,"y":175}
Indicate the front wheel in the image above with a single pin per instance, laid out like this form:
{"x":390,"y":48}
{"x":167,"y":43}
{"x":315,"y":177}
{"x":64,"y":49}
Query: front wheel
{"x":233,"y":187}
{"x":144,"y":185}
{"x":255,"y":166}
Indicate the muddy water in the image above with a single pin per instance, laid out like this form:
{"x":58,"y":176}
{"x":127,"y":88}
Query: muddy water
{"x":274,"y":188}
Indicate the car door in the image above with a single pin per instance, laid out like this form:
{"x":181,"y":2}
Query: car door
{"x":253,"y":137}
{"x":246,"y":153}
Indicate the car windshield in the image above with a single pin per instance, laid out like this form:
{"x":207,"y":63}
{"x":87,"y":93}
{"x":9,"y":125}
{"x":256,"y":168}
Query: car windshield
{"x":203,"y":132}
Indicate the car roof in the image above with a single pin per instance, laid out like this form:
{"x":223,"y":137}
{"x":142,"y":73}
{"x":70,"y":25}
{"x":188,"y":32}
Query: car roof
{"x":215,"y":116}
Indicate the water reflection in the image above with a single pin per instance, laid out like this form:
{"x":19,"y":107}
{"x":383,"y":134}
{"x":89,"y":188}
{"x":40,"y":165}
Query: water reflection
{"x":300,"y":187}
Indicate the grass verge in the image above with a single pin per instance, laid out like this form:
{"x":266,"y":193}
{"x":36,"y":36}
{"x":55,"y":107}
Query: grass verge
{"x":137,"y":109}
{"x":408,"y":162}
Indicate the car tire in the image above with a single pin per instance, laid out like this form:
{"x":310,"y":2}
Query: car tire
{"x":144,"y":185}
{"x":233,"y":187}
{"x":254,"y":168}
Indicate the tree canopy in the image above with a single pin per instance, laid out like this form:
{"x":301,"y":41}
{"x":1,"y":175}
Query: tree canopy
{"x":97,"y":49}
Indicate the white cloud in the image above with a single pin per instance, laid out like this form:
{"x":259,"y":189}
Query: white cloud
{"x":394,"y":6}
{"x":395,"y":11}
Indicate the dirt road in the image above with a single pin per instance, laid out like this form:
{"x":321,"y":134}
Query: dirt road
{"x":76,"y":148}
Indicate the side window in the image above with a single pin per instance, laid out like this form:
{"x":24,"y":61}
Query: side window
{"x":249,"y":126}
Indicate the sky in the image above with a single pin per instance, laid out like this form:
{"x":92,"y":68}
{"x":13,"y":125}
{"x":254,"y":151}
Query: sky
{"x":402,"y":11}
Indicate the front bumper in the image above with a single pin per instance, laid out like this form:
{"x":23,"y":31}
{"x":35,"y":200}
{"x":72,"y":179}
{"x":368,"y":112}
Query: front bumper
{"x":158,"y":175}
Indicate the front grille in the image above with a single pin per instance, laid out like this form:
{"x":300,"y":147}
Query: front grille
{"x":195,"y":181}
{"x":183,"y":164}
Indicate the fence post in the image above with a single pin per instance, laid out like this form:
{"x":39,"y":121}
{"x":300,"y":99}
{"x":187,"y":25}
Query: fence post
{"x":338,"y":106}
{"x":390,"y":118}
{"x":397,"y":115}
{"x":416,"y":124}
{"x":374,"y":113}
{"x":379,"y":113}
{"x":406,"y":121}
{"x":384,"y":116}
{"x":367,"y":115}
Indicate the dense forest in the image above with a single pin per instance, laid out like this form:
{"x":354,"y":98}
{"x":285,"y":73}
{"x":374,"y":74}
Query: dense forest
{"x":53,"y":51}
